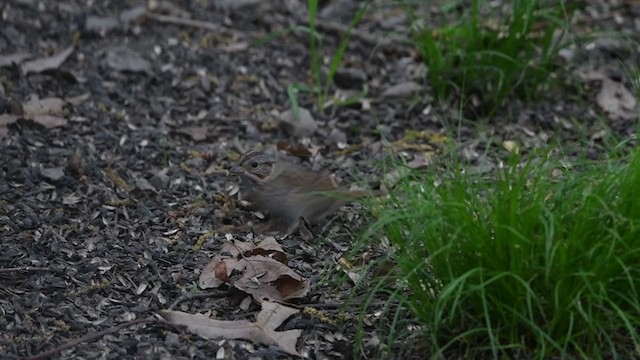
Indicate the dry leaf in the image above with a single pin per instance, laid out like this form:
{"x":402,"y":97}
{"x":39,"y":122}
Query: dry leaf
{"x":259,"y":270}
{"x":613,"y":97}
{"x":268,"y":247}
{"x":511,"y":146}
{"x":36,"y":106}
{"x":262,"y":331}
{"x":47,"y":63}
{"x":617,"y":101}
{"x":40,"y":112}
{"x":266,"y":278}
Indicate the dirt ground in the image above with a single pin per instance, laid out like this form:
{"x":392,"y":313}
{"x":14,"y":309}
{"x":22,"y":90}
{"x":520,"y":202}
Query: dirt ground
{"x":118,"y":125}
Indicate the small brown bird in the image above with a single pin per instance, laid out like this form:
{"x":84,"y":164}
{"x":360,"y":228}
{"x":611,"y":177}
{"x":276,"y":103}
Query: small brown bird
{"x":289,"y":191}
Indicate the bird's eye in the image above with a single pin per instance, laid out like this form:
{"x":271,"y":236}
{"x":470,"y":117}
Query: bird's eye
{"x":254,"y":164}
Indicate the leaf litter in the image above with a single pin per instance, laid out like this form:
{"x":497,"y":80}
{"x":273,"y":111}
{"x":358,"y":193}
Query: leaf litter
{"x":262,"y":331}
{"x":258,"y":270}
{"x":35,"y":111}
{"x":612,"y":96}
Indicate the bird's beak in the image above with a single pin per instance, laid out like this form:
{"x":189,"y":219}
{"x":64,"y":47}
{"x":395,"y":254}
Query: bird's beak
{"x":235,"y":170}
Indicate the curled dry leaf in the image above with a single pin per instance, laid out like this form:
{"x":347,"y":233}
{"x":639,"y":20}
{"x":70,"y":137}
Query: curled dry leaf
{"x":268,"y":247}
{"x":266,"y":278}
{"x":261,"y":331}
{"x":259,"y":270}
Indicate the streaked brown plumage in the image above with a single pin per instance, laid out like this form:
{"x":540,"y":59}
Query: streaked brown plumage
{"x":288,"y":191}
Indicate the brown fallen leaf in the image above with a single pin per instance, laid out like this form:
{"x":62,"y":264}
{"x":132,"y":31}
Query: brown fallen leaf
{"x":259,"y":270}
{"x":266,"y":278}
{"x":219,"y":269}
{"x":47,"y":63}
{"x":262,"y":331}
{"x":268,"y":247}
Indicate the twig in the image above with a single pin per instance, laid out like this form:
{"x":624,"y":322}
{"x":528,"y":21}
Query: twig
{"x":91,"y":336}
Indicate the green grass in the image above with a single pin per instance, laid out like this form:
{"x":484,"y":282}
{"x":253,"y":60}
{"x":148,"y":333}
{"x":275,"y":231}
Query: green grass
{"x":323,"y":80}
{"x":321,"y":77}
{"x":492,"y":53}
{"x":542,"y":260}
